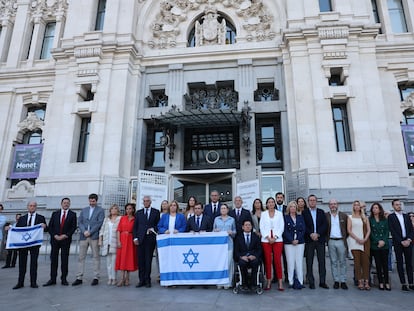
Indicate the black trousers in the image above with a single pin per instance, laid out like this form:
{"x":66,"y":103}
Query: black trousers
{"x":63,"y":247}
{"x":310,"y":249}
{"x":244,"y":265}
{"x":145,"y":253}
{"x":11,"y":257}
{"x":407,"y":253}
{"x":23,"y":254}
{"x":381,"y":264}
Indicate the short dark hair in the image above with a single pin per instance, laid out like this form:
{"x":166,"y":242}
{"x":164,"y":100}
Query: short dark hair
{"x":280,"y":193}
{"x":247,"y":220}
{"x":199,"y":203}
{"x":93,"y":196}
{"x":65,"y":199}
{"x":393,"y":201}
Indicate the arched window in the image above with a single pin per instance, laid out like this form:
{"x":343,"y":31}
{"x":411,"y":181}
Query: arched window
{"x":209,"y":29}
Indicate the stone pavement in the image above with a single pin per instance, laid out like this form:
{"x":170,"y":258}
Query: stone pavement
{"x":104,"y":297}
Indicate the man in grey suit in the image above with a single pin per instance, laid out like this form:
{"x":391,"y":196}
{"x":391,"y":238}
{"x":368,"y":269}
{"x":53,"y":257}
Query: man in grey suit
{"x":89,"y":222}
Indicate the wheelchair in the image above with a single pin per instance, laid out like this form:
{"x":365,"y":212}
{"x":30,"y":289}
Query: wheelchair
{"x":238,"y":281}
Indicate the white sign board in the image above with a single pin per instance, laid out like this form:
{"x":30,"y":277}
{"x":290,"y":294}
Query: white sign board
{"x":249,"y":191}
{"x":152,"y":184}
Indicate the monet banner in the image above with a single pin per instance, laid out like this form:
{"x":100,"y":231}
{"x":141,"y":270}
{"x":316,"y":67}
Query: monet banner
{"x":26,"y":161}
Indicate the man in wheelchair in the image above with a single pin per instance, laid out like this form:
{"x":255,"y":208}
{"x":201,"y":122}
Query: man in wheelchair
{"x":247,"y":253}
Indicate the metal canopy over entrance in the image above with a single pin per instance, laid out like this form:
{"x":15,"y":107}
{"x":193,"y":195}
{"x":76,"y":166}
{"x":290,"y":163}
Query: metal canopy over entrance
{"x":200,"y":117}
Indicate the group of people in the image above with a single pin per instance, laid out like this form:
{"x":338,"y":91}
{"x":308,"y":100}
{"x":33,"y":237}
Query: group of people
{"x":280,"y":236}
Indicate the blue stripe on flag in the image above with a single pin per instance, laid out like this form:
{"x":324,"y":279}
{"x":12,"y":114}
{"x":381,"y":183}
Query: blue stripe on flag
{"x":19,"y":245}
{"x":205,"y":275}
{"x":25,"y":229}
{"x":192,"y":241}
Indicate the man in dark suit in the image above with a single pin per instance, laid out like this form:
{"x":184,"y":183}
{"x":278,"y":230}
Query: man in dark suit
{"x":315,"y":238}
{"x":11,"y":258}
{"x":30,"y":219}
{"x":281,"y":207}
{"x":200,"y":221}
{"x":62,"y":225}
{"x":239,"y":214}
{"x":213,"y":209}
{"x":145,"y":227}
{"x":90,"y":222}
{"x":402,"y":235}
{"x":247,"y":252}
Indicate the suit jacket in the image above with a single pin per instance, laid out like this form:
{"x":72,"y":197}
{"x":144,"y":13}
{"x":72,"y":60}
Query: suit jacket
{"x":321,"y":225}
{"x":291,"y":229}
{"x":395,"y":228}
{"x":208,"y":210}
{"x":142,"y":223}
{"x":283,"y":211}
{"x":39,"y":219}
{"x":206,"y":224}
{"x":69,"y":226}
{"x":244,"y":215}
{"x":241,"y":249}
{"x":94,"y":224}
{"x":343,"y":220}
{"x":180,"y":223}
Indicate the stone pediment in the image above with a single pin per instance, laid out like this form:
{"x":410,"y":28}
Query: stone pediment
{"x":256,"y":19}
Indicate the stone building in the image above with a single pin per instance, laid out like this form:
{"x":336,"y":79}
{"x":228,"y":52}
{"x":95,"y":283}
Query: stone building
{"x":304,"y":96}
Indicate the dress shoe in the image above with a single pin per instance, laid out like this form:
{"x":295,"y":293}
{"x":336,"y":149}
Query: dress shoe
{"x":140,"y":284}
{"x":95,"y":282}
{"x":5,"y":267}
{"x":34,"y":285}
{"x":49,"y":283}
{"x":18,"y":286}
{"x":323,"y":285}
{"x":312,"y":286}
{"x":65,"y":283}
{"x":344,"y":286}
{"x":148,"y":285}
{"x":336,"y":285}
{"x":411,"y":287}
{"x":77,"y":282}
{"x":404,"y":288}
{"x":387,"y":287}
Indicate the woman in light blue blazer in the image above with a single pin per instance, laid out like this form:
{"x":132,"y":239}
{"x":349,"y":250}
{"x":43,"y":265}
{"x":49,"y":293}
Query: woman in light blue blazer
{"x":172,"y":222}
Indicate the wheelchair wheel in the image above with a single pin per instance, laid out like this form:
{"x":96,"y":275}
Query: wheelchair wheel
{"x":236,"y":289}
{"x":259,"y":290}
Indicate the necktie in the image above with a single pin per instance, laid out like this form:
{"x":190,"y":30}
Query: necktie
{"x":248,"y":240}
{"x":146,"y":213}
{"x":238,"y":214}
{"x":198,"y":222}
{"x":29,"y":224}
{"x":62,"y":222}
{"x":215,"y":208}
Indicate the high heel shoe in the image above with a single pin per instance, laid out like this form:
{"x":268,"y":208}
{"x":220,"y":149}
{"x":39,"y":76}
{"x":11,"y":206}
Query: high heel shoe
{"x":268,"y":285}
{"x":361,"y":285}
{"x":366,"y":285}
{"x":381,"y":286}
{"x":121,"y":283}
{"x":126,"y":283}
{"x":387,"y":287}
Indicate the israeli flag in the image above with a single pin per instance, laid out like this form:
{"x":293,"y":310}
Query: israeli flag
{"x":193,"y":258}
{"x":20,"y":237}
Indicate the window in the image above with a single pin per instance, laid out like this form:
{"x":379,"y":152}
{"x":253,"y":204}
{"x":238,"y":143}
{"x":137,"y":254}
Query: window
{"x":337,"y":76}
{"x":38,"y":110}
{"x":100,"y":15}
{"x":33,"y":137}
{"x":397,"y":17}
{"x":266,"y":92}
{"x":48,"y":40}
{"x":325,"y":5}
{"x":375,"y":13}
{"x":268,"y":141}
{"x":405,"y":90}
{"x":84,"y":139}
{"x":194,"y":39}
{"x":157,"y":99}
{"x":340,"y":120}
{"x":155,"y":150}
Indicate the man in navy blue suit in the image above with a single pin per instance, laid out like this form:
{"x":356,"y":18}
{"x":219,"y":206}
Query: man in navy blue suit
{"x":247,"y":252}
{"x":200,"y":221}
{"x":30,"y":219}
{"x":402,"y":236}
{"x":239,"y":214}
{"x":62,"y":225}
{"x":144,"y":233}
{"x":213,"y":209}
{"x":315,"y":239}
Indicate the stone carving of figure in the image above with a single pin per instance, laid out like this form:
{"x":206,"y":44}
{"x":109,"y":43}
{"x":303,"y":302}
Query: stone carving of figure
{"x":211,"y":31}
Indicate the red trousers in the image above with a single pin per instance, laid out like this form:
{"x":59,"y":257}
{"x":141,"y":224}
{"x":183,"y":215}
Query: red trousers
{"x":273,"y":250}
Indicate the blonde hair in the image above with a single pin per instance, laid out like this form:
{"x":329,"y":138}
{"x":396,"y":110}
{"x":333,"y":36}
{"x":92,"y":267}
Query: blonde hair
{"x":287,"y":212}
{"x":361,"y":212}
{"x":116,"y":207}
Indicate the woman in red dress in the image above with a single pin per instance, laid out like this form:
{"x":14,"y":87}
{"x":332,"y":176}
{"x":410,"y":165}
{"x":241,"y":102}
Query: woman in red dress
{"x":126,"y":255}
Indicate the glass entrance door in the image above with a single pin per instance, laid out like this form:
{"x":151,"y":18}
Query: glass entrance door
{"x":200,"y":186}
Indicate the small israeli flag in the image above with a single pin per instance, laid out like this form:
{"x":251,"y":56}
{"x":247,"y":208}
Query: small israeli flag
{"x":20,"y":237}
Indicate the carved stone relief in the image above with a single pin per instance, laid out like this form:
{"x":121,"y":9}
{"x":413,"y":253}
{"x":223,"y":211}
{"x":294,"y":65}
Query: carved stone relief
{"x":211,"y":31}
{"x":21,"y":190}
{"x":257,"y":22}
{"x":44,"y":9}
{"x":31,"y":123}
{"x":408,"y":104}
{"x":8,"y":9}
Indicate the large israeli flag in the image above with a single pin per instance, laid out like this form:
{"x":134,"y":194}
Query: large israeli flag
{"x":193,"y":258}
{"x":19,"y":237}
